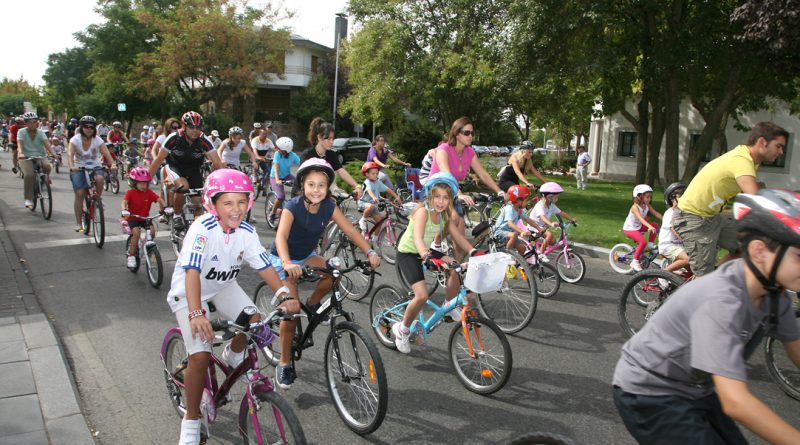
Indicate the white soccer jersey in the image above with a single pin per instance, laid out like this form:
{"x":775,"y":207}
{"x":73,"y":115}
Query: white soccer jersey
{"x":217,"y":255}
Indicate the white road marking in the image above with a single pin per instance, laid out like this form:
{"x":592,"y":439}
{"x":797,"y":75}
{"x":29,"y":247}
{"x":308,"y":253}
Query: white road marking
{"x":85,"y":240}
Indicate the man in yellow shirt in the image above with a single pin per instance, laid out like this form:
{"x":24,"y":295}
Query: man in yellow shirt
{"x":698,"y":220}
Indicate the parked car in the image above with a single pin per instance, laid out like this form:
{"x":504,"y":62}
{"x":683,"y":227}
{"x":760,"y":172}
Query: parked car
{"x":480,"y":150}
{"x":351,"y":149}
{"x":503,"y":151}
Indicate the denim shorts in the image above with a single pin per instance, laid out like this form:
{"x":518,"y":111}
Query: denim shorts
{"x":276,"y":263}
{"x":78,"y":179}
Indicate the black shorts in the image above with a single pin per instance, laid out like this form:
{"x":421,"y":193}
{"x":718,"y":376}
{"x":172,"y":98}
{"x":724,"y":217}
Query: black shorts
{"x":134,"y":223}
{"x":193,"y":175}
{"x":505,"y":184}
{"x":410,"y":265}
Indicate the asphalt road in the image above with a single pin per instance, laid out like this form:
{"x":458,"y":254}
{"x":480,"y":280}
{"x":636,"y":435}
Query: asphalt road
{"x":112,"y":324}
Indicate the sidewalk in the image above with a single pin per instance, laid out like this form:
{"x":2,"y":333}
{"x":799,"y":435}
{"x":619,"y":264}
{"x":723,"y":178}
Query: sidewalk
{"x":38,"y":402}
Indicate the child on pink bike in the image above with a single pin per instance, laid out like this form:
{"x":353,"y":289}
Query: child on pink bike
{"x":509,"y":225}
{"x":637,"y":222}
{"x":546,"y":209}
{"x":138,"y":200}
{"x":214,"y":248}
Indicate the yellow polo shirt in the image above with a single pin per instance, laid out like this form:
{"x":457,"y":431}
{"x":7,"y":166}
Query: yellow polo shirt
{"x":716,"y":182}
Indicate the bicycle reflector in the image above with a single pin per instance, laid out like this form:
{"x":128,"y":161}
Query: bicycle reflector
{"x":372,"y":378}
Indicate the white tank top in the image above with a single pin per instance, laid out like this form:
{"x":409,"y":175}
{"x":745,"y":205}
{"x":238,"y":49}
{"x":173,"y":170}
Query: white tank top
{"x":86,"y":157}
{"x":230,"y":154}
{"x":632,"y":222}
{"x":266,"y":148}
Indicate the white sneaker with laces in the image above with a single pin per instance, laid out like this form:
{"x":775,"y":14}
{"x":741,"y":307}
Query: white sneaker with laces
{"x":233,"y":359}
{"x":663,"y":283}
{"x":454,"y":314}
{"x":636,"y":266}
{"x":543,"y":258}
{"x":190,"y":432}
{"x":131,"y":261}
{"x":401,"y":339}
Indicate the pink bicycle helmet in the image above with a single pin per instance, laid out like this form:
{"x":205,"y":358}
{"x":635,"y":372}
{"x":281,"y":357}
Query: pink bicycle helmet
{"x":151,"y":142}
{"x":140,"y":174}
{"x":226,"y":180}
{"x":550,"y":188}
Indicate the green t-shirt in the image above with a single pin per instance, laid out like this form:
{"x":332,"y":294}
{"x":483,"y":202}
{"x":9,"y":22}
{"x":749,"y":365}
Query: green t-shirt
{"x":406,"y":244}
{"x":32,"y":147}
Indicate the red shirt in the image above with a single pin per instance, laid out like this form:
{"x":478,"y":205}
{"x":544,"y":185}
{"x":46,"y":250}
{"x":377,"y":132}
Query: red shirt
{"x":114,"y":136}
{"x":139,"y":202}
{"x":13,"y":132}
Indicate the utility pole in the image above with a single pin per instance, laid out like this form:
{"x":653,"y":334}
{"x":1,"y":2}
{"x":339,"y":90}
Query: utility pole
{"x":341,"y":30}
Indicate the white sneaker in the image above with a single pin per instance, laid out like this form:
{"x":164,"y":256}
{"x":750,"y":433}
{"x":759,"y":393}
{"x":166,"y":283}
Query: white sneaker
{"x":28,"y":203}
{"x":543,"y":258}
{"x":401,"y":339}
{"x":663,"y":283}
{"x":636,"y":266}
{"x":131,"y":261}
{"x":233,"y":359}
{"x":651,"y":246}
{"x":454,"y":314}
{"x":190,"y":432}
{"x":362,"y":224}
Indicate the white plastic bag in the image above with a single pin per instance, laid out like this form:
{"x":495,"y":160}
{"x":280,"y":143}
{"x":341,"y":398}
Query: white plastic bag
{"x":486,"y":273}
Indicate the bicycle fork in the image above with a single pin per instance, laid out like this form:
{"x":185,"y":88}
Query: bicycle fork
{"x":360,"y":371}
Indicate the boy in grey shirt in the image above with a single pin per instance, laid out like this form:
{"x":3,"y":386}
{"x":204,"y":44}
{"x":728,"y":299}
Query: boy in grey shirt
{"x":682,"y":378}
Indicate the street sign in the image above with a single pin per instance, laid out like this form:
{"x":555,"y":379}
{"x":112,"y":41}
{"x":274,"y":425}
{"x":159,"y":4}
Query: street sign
{"x":120,"y":107}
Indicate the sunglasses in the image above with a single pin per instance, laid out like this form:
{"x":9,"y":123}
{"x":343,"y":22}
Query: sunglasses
{"x":467,"y":133}
{"x":175,"y":127}
{"x":89,"y":126}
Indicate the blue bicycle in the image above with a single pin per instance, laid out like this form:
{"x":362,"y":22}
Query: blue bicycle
{"x":479,"y":350}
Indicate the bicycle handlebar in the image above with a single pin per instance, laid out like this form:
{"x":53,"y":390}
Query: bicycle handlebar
{"x":279,"y":313}
{"x":308,"y":271}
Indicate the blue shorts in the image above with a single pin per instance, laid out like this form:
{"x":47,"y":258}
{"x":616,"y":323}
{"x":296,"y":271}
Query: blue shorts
{"x":79,"y":178}
{"x":276,"y":263}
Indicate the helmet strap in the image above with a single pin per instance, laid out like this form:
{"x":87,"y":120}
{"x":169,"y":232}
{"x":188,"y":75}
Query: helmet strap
{"x":774,"y":292}
{"x":769,"y":283}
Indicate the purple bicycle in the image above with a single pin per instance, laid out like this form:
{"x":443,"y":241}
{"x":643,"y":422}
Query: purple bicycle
{"x":264,"y":416}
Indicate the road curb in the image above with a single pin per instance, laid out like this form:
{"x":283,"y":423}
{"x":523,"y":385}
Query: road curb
{"x":591,"y":251}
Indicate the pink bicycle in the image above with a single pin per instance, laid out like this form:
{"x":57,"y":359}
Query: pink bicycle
{"x":570,"y":265}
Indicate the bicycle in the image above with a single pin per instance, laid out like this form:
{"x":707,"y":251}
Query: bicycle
{"x":482,"y":362}
{"x":42,"y":193}
{"x":271,"y":214}
{"x":176,"y":233}
{"x":386,"y":234}
{"x":112,"y":178}
{"x":513,"y":306}
{"x":147,"y":248}
{"x":780,"y":367}
{"x":570,"y":265}
{"x":264,"y":417}
{"x":351,"y":359}
{"x":621,"y":255}
{"x":93,"y":220}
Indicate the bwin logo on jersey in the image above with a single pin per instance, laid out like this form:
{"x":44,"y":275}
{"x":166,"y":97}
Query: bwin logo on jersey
{"x":213,"y":274}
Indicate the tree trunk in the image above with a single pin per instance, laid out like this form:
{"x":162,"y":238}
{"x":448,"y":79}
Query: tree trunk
{"x":672,"y":128}
{"x":654,"y":143}
{"x":642,"y":138}
{"x":713,"y":122}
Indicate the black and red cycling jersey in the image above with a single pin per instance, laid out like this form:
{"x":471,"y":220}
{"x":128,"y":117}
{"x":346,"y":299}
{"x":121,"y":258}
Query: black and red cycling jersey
{"x":183,"y":155}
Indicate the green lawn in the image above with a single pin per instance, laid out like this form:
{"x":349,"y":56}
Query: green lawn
{"x":600,"y":209}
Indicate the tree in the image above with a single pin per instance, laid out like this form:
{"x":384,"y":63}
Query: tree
{"x":212,"y":50}
{"x":315,"y":100}
{"x":66,"y":79}
{"x":13,"y":92}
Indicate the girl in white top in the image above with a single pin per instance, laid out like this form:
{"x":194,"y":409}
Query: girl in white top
{"x":84,"y":151}
{"x":231,"y":148}
{"x":670,"y":243}
{"x":546,"y":209}
{"x":636,"y":222}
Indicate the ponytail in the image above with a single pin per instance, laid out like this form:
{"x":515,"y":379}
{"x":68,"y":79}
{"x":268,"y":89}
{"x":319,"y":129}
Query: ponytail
{"x":318,"y":127}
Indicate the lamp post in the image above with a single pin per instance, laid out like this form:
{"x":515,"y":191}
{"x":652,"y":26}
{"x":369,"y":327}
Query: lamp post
{"x":341,"y":27}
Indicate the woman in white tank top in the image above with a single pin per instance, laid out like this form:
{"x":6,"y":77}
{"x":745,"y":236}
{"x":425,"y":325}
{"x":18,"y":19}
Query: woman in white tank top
{"x":231,"y":149}
{"x":84,"y":151}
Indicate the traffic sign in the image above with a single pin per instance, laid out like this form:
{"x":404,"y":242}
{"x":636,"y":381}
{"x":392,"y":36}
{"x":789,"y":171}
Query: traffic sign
{"x":120,"y":107}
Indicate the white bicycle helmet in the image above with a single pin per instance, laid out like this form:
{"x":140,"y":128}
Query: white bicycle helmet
{"x":285,"y":144}
{"x":640,"y":189}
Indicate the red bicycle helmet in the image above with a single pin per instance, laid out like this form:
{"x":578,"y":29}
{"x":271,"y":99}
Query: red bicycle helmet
{"x":192,"y":118}
{"x":517,"y":193}
{"x":773,"y":213}
{"x":367,"y":167}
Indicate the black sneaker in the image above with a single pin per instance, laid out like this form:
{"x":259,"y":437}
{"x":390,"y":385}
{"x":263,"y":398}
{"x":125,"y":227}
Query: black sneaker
{"x":178,"y":223}
{"x":285,"y":375}
{"x":325,"y":320}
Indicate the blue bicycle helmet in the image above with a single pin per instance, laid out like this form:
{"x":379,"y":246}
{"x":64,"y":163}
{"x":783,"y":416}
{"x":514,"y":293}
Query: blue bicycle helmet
{"x":442,"y":178}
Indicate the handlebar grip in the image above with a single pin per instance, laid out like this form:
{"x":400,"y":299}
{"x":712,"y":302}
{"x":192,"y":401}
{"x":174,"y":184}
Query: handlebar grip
{"x":219,"y":325}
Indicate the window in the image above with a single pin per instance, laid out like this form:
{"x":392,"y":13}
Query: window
{"x":627,"y":144}
{"x":781,"y":161}
{"x":314,"y":64}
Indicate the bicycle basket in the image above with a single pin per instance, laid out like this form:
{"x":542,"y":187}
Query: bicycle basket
{"x":486,"y":273}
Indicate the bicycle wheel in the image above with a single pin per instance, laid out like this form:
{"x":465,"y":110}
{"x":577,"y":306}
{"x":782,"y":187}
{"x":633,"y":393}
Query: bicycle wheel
{"x":262,"y":298}
{"x":487,"y":368}
{"x":431,"y":280}
{"x":538,"y":438}
{"x":267,"y":418}
{"x":781,"y":368}
{"x":513,"y":306}
{"x":269,"y":204}
{"x":620,"y":258}
{"x":114,"y":182}
{"x":155,"y":268}
{"x":492,"y":210}
{"x":570,"y":266}
{"x":329,"y":240}
{"x":472,"y":217}
{"x":650,"y":288}
{"x":86,"y":218}
{"x":356,"y":378}
{"x":388,"y":240}
{"x":355,"y":284}
{"x":98,"y":223}
{"x":175,"y":361}
{"x":383,"y":300}
{"x":176,"y":238}
{"x":45,"y":197}
{"x":138,"y":256}
{"x":547,"y":279}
